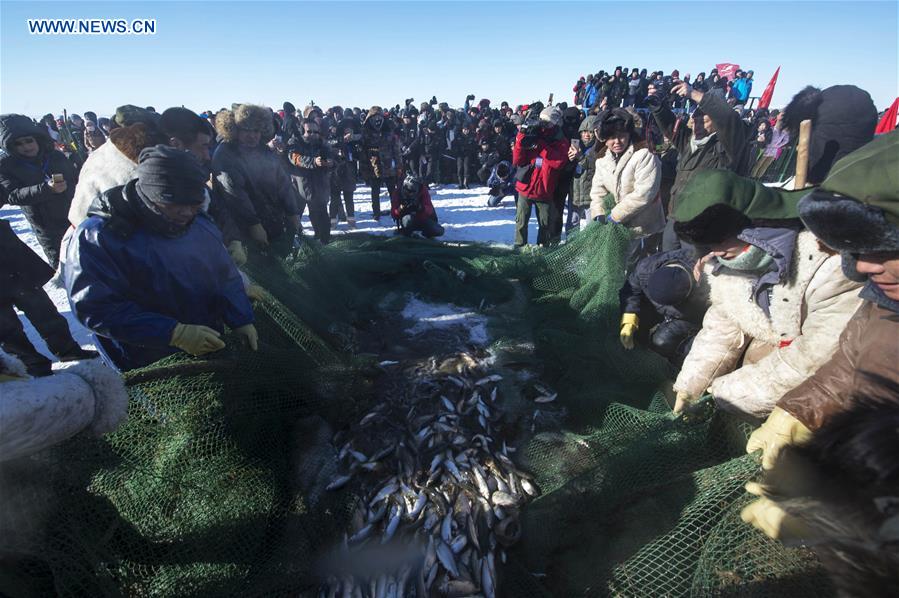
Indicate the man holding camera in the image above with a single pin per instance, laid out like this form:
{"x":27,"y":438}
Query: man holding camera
{"x":311,"y":161}
{"x":540,"y":153}
{"x":412,"y":210}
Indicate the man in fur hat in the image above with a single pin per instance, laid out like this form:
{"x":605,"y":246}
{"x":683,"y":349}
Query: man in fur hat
{"x":778,"y":300}
{"x":855,"y":212}
{"x":252,"y":179}
{"x":382,"y":156}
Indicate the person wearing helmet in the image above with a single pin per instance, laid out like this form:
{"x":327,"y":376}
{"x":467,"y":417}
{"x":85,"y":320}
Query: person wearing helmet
{"x":412,"y":210}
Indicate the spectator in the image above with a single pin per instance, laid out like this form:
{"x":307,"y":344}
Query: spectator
{"x":343,"y":176}
{"x":465,"y":150}
{"x":147,"y":271}
{"x":312,"y":163}
{"x":741,"y":87}
{"x":412,"y":210}
{"x":583,"y":154}
{"x":253,"y":180}
{"x":779,"y":139}
{"x":631,"y":174}
{"x":93,"y":136}
{"x":540,"y":153}
{"x":382,"y":156}
{"x":38,"y":179}
{"x":799,"y":300}
{"x":718,"y":139}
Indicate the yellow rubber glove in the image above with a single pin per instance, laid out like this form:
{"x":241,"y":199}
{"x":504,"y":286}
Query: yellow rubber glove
{"x":258,"y":234}
{"x":237,"y":252}
{"x":629,"y":325}
{"x":683,"y":401}
{"x":196,"y":339}
{"x":256,"y":292}
{"x":778,"y":431}
{"x":249,"y":333}
{"x":766,"y":516}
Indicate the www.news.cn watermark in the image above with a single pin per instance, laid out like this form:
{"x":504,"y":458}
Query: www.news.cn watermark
{"x":92,"y":26}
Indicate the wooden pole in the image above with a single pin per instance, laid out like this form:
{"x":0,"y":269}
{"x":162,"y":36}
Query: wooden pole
{"x":805,"y":135}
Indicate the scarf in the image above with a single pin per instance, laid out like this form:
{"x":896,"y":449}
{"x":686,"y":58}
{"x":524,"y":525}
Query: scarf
{"x":754,"y":259}
{"x":696,"y":144}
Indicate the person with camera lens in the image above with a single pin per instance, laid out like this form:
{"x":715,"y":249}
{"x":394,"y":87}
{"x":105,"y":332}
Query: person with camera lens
{"x":311,"y":160}
{"x":382,"y":156}
{"x":410,"y":146}
{"x":345,"y":150}
{"x":465,"y":149}
{"x":540,"y":153}
{"x":718,"y":138}
{"x":412,"y":210}
{"x":432,"y":143}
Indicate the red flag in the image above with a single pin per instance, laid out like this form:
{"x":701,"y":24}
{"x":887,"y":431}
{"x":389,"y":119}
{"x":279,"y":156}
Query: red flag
{"x":888,"y":122}
{"x":727,"y":70}
{"x":765,"y":100}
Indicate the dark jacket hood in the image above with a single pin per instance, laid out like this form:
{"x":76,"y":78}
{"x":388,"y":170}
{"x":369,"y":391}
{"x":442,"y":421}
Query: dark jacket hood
{"x":13,"y":126}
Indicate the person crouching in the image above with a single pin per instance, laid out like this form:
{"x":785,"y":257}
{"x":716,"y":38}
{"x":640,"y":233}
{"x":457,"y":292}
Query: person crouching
{"x":412,"y":210}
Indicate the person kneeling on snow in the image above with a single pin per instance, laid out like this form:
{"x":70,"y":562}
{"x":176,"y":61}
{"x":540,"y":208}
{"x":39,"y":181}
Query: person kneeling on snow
{"x":147,"y":271}
{"x":779,"y":301}
{"x":412,"y":210}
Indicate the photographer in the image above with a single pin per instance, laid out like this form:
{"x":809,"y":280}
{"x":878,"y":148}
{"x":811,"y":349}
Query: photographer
{"x":345,"y":150}
{"x":382,"y":156}
{"x":410,"y":147}
{"x":311,"y":161}
{"x":412,"y":210}
{"x":540,"y":152}
{"x":717,"y":138}
{"x":465,"y":149}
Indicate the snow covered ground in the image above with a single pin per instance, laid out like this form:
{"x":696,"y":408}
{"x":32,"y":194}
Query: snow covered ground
{"x":463,"y":213}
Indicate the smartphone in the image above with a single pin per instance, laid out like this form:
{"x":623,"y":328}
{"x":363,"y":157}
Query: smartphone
{"x":57,"y":178}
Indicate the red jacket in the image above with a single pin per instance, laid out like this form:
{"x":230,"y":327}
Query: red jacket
{"x":426,"y":211}
{"x":543,"y":181}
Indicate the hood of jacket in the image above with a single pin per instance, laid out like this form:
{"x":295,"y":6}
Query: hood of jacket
{"x":13,"y":126}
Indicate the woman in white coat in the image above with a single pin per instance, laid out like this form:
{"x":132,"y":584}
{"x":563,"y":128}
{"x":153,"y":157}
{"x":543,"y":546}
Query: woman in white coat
{"x":626,"y":184}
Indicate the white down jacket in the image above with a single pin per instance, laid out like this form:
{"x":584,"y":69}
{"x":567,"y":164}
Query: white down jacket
{"x":808,"y":313}
{"x":634,"y":181}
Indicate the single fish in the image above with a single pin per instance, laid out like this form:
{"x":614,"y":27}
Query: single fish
{"x":338,"y":482}
{"x":446,"y":558}
{"x":386,"y":490}
{"x":392,"y":524}
{"x":503,"y":499}
{"x":546,"y":398}
{"x":361,"y":534}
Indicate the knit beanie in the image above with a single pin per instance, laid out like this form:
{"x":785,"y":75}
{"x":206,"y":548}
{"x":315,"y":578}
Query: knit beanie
{"x":669,"y":285}
{"x":172,"y":176}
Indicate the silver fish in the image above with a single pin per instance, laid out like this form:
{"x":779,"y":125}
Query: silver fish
{"x":529,"y":487}
{"x":458,"y":543}
{"x":546,"y":398}
{"x":488,"y":379}
{"x":392,"y":524}
{"x":446,"y":527}
{"x":339,"y":482}
{"x":419,"y":505}
{"x":361,"y":534}
{"x":488,"y":585}
{"x":446,"y":558}
{"x":386,"y":490}
{"x":503,"y":499}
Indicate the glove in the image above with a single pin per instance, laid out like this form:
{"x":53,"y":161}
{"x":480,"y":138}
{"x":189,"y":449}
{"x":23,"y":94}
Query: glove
{"x":258,"y":234}
{"x":256,"y":292}
{"x":237,"y":252}
{"x":470,"y":96}
{"x":629,"y":325}
{"x":683,"y":401}
{"x":196,"y":339}
{"x":766,"y":516}
{"x":778,"y":431}
{"x":248,"y":332}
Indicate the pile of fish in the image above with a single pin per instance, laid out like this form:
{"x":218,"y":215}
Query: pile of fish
{"x":444,"y":494}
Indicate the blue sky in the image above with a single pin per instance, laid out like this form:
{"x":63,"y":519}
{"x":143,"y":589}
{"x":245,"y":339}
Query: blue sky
{"x":206,"y":55}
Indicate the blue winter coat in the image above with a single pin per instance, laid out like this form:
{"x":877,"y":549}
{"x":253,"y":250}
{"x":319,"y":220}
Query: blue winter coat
{"x":132,"y":289}
{"x":590,"y":97}
{"x":741,"y":89}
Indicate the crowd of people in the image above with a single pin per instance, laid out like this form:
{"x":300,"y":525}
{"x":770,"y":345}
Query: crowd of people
{"x":781,"y":304}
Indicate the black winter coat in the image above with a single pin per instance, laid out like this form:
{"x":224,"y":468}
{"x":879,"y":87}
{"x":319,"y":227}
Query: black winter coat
{"x":25,"y":181}
{"x":21,"y":268}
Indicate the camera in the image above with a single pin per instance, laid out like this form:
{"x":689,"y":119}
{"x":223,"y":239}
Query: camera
{"x":531,"y":125}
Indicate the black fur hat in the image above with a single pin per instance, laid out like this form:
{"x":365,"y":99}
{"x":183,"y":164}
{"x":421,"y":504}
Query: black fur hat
{"x":614,"y":121}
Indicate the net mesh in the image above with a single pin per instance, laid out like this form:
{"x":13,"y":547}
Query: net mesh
{"x":214,"y":486}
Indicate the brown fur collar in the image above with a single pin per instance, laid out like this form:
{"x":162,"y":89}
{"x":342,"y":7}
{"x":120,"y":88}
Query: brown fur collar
{"x":132,"y":139}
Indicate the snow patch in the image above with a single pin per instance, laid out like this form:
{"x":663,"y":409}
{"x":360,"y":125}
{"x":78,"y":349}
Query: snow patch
{"x":428,"y":316}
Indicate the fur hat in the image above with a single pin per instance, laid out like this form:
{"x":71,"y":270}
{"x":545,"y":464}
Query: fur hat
{"x":246,"y":116}
{"x":552,"y":115}
{"x":129,"y":114}
{"x":611,"y":122}
{"x":843,"y":119}
{"x":856,"y":209}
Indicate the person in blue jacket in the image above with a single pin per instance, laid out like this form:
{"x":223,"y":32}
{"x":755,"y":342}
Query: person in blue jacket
{"x":742,"y":86}
{"x":149,"y":274}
